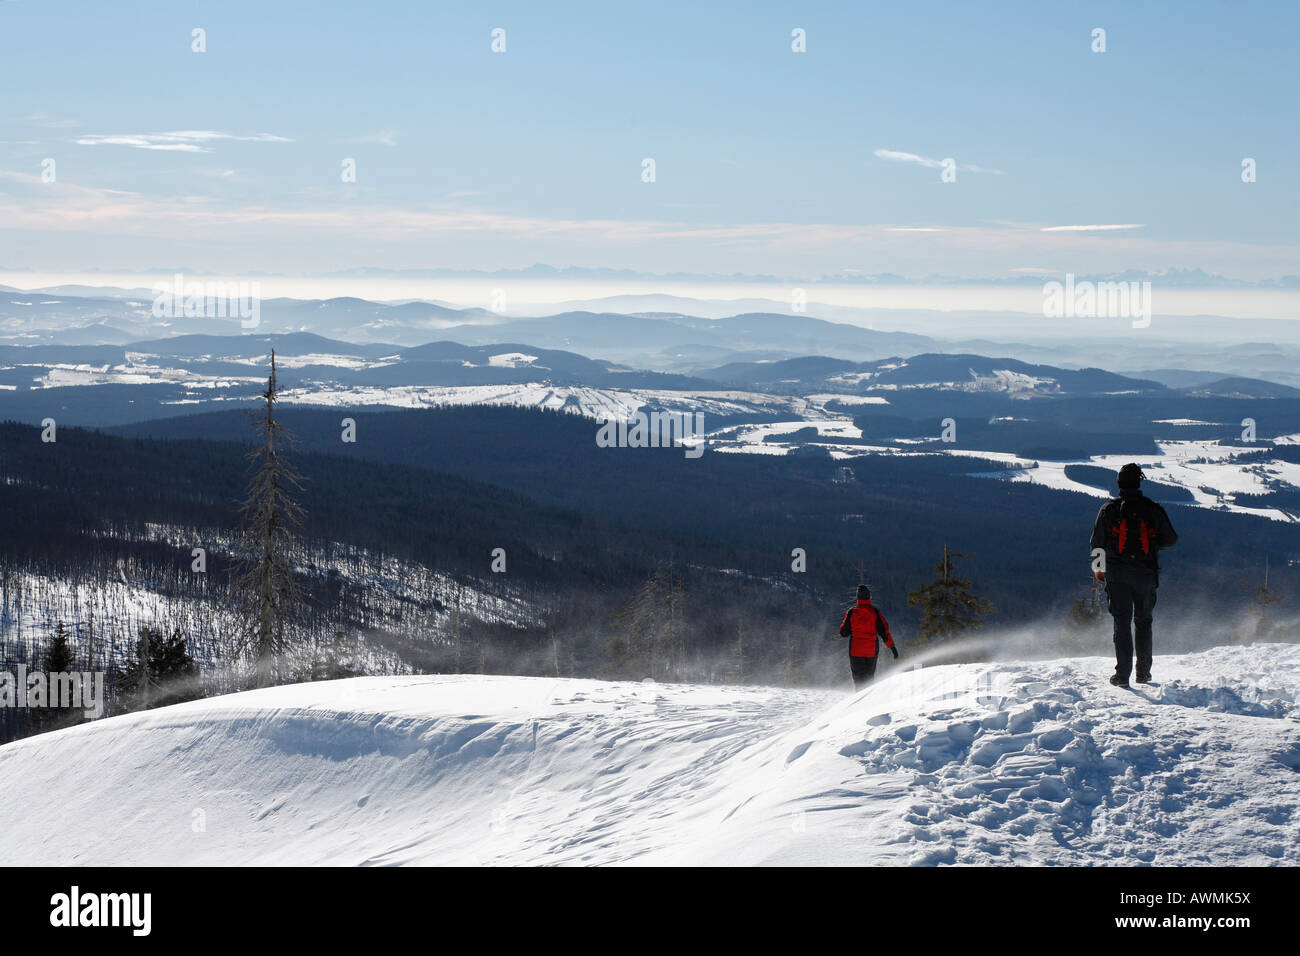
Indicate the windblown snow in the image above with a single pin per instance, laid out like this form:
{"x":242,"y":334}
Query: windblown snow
{"x":976,"y":764}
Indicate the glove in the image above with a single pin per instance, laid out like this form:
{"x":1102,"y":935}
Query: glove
{"x":895,"y":650}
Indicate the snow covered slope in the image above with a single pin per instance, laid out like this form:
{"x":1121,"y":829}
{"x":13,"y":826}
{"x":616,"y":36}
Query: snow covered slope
{"x":964,"y":764}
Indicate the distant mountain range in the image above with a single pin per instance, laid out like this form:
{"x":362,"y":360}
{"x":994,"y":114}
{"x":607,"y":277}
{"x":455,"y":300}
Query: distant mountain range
{"x":658,"y":333}
{"x":104,"y":385}
{"x":821,"y":374}
{"x":677,"y":340}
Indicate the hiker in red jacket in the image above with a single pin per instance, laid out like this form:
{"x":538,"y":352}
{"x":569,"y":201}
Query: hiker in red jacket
{"x":864,"y":625}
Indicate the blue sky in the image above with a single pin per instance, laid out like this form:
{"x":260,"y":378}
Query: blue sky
{"x":767,"y":161}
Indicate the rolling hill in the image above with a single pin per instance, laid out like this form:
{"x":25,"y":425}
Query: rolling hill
{"x":1035,"y":763}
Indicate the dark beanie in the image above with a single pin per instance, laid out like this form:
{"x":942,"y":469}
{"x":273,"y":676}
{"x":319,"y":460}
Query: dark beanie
{"x":864,"y":593}
{"x":1130,"y":476}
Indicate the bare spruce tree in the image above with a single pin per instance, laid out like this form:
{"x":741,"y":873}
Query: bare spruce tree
{"x":267,"y":594}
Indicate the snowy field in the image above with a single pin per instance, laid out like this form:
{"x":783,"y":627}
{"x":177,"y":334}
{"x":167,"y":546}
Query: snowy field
{"x":598,"y":404}
{"x":1211,"y":473}
{"x":976,"y":764}
{"x":1207,"y":470}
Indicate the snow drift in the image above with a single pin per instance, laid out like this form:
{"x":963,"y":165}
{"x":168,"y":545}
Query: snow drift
{"x":1020,"y":763}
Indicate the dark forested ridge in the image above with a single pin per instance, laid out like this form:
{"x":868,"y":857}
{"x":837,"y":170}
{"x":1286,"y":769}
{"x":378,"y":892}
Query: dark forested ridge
{"x":1029,"y":542}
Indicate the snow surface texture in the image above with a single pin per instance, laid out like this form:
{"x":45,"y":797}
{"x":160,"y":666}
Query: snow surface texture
{"x":1019,"y":763}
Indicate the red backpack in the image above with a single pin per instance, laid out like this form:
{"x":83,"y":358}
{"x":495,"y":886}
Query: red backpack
{"x":1131,"y":528}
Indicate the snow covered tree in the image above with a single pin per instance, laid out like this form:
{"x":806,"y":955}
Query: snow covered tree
{"x":948,"y":608}
{"x":267,"y":594}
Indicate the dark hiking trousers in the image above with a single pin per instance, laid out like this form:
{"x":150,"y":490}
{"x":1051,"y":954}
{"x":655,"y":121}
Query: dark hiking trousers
{"x":1132,"y":601}
{"x":864,"y":668}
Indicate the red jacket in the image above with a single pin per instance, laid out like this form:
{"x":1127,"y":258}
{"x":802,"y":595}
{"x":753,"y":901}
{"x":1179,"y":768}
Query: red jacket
{"x":865,"y":625}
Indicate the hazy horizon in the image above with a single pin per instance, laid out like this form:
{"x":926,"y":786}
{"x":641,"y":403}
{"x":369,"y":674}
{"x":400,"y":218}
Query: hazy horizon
{"x":529,"y":297}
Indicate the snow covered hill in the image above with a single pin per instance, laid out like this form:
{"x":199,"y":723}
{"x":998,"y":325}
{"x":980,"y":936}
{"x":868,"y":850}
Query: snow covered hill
{"x":1011,"y":763}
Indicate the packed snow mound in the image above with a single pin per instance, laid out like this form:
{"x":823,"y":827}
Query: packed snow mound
{"x":1008,"y":763}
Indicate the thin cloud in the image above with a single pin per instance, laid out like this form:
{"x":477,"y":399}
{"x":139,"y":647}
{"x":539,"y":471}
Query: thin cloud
{"x":48,"y":121}
{"x":65,"y":207}
{"x":180,"y":141}
{"x":1094,"y":228}
{"x":385,"y":137}
{"x":929,"y":162}
{"x":31,"y":179}
{"x":900,"y":157}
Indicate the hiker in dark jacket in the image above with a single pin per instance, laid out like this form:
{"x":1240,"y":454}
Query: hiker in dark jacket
{"x":1131,"y":530}
{"x":865,"y":626}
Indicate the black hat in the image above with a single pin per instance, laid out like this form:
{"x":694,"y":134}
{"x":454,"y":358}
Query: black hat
{"x":1130,"y":476}
{"x":864,"y":593}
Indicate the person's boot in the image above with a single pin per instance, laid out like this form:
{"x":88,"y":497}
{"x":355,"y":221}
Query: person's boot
{"x":1144,"y":678}
{"x":1118,"y":681}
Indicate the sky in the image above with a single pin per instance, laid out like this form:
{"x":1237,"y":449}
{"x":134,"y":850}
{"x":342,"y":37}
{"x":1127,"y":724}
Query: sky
{"x":767,"y":161}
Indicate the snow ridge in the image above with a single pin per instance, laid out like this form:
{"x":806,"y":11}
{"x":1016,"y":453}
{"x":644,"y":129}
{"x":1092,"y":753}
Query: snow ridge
{"x":969,"y":764}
